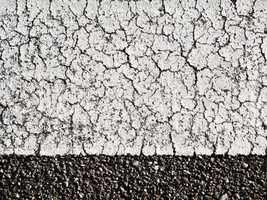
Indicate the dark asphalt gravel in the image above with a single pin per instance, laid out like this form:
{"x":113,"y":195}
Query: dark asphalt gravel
{"x":133,"y":177}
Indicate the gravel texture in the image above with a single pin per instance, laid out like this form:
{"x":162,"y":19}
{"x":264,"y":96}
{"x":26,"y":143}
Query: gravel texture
{"x":133,"y":177}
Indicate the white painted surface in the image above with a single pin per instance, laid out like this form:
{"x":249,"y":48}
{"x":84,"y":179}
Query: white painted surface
{"x":119,"y":77}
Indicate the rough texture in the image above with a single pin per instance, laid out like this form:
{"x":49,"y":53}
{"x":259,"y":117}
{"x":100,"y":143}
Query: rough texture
{"x":133,"y":177}
{"x":118,"y":77}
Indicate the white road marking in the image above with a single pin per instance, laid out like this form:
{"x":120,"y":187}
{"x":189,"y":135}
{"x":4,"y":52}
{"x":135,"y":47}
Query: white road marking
{"x":119,"y":77}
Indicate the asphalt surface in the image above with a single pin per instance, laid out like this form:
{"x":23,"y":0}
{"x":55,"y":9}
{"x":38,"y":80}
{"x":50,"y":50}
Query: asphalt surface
{"x":133,"y":177}
{"x":166,"y":78}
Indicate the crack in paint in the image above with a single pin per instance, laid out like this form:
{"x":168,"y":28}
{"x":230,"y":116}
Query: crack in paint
{"x":138,"y":77}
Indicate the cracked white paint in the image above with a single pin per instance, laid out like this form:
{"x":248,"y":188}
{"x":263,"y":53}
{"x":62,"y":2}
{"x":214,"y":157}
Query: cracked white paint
{"x":119,"y":77}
